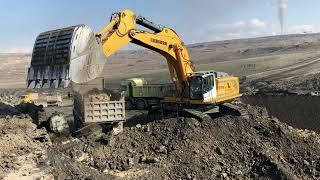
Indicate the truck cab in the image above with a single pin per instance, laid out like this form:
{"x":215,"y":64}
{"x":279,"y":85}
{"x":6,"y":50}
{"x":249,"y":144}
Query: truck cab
{"x":129,"y":85}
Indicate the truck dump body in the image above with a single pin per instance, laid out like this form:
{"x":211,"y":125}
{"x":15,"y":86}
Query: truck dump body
{"x":154,"y":90}
{"x":141,"y":95}
{"x":54,"y":99}
{"x":98,"y":109}
{"x":138,"y":87}
{"x":104,"y":111}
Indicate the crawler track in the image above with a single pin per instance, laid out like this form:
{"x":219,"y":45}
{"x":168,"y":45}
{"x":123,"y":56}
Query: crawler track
{"x":235,"y":109}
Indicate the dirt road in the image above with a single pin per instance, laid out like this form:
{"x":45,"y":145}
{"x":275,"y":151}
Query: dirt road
{"x":290,"y":71}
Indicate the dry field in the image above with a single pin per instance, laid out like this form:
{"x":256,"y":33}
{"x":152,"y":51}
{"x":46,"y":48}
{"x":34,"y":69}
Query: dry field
{"x":268,"y":58}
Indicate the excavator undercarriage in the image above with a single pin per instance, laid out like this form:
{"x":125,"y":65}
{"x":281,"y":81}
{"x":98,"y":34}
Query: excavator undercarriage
{"x":201,"y":113}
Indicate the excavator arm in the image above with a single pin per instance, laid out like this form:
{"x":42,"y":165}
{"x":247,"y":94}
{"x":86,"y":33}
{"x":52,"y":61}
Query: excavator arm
{"x":122,"y":30}
{"x":77,"y":54}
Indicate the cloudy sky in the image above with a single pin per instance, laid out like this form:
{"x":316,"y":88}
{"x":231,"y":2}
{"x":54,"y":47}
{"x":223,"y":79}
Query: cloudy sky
{"x":195,"y":20}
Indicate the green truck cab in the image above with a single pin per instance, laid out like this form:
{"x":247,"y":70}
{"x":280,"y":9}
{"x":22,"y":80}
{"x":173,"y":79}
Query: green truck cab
{"x":141,"y":95}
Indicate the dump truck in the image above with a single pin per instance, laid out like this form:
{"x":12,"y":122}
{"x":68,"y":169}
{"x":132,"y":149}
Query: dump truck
{"x":141,"y":95}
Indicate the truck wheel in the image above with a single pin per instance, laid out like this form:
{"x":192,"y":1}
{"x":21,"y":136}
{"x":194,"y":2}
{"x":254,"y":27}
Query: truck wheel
{"x":129,"y":105}
{"x":140,"y":104}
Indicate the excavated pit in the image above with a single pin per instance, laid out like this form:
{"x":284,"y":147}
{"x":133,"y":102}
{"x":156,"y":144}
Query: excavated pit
{"x":297,"y":111}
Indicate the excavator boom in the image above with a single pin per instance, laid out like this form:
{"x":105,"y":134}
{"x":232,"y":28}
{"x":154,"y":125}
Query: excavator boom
{"x":122,"y":30}
{"x":76,"y":53}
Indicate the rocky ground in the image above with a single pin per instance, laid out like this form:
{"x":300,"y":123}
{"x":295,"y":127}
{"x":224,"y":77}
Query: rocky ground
{"x":280,"y":141}
{"x":227,"y":147}
{"x":23,"y":149}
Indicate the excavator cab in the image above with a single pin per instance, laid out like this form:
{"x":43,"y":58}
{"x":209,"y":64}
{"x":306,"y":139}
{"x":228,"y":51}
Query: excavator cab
{"x":202,"y":85}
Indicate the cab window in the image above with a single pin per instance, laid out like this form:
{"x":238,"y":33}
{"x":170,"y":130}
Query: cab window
{"x":196,"y":88}
{"x":208,"y":84}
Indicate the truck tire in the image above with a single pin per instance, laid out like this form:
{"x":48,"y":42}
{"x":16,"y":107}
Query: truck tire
{"x":141,"y":104}
{"x":129,"y":105}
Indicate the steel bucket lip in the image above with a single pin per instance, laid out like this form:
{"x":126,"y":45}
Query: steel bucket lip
{"x":87,"y":59}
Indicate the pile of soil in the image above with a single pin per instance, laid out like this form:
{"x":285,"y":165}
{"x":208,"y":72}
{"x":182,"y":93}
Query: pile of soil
{"x":302,"y":85}
{"x":23,"y":146}
{"x":36,"y":112}
{"x":103,"y":95}
{"x":227,"y":147}
{"x":10,"y":99}
{"x":297,"y":111}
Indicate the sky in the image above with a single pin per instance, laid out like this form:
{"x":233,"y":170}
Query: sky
{"x":194,"y":20}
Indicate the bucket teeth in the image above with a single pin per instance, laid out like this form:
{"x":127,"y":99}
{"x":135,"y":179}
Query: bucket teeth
{"x":31,"y":84}
{"x":43,"y":77}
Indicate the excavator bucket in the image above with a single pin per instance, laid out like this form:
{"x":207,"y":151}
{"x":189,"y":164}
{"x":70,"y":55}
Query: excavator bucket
{"x":64,"y":55}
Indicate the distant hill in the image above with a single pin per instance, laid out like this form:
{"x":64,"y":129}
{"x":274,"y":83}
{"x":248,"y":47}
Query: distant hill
{"x":232,"y":56}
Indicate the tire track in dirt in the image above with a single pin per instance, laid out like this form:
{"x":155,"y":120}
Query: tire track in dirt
{"x":281,"y":72}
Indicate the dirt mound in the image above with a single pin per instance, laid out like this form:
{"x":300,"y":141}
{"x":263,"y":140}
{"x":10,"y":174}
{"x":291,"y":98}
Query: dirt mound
{"x":301,"y":85}
{"x":100,"y":95}
{"x":22,"y":145}
{"x":37,"y":113}
{"x":297,"y":111}
{"x":226,"y":147}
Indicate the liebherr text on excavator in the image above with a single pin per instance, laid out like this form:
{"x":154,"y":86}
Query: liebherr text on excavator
{"x":77,"y":54}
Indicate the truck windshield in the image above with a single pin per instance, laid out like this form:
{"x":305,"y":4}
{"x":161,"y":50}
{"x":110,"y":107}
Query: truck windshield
{"x":196,"y":88}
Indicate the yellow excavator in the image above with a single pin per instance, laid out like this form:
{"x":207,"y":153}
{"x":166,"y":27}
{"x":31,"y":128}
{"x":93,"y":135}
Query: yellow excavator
{"x":77,"y":54}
